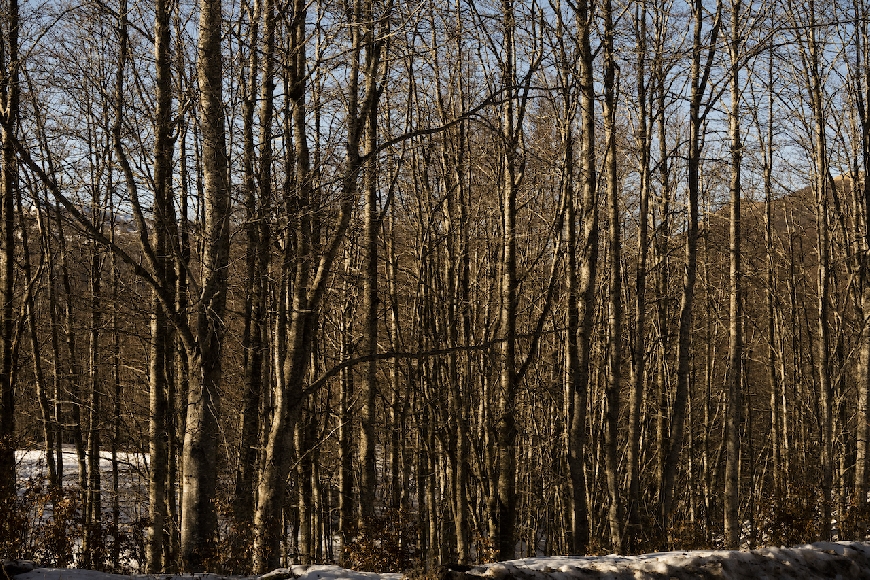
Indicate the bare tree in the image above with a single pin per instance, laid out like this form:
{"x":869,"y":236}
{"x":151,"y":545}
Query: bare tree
{"x":699,"y":84}
{"x":9,"y":121}
{"x":578,"y":368}
{"x":643,"y":140}
{"x":733,"y":523}
{"x":615,"y":322}
{"x":810,"y":46}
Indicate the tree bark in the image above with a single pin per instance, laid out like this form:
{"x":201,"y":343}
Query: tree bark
{"x":733,"y":403}
{"x":614,"y":374}
{"x":586,"y":248}
{"x":9,"y":99}
{"x":160,"y":357}
{"x":258,"y":194}
{"x":861,"y":88}
{"x":199,"y":460}
{"x":633,"y":529}
{"x":371,"y":227}
{"x":505,"y":425}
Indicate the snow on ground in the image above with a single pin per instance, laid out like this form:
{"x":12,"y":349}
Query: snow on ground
{"x":823,"y":560}
{"x":38,"y":502}
{"x":31,"y":470}
{"x":841,"y":560}
{"x":132,"y":466}
{"x":132,"y":476}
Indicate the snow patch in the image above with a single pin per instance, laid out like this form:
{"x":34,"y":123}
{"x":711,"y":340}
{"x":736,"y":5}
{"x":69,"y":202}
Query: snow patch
{"x":822,"y":560}
{"x":325,"y":572}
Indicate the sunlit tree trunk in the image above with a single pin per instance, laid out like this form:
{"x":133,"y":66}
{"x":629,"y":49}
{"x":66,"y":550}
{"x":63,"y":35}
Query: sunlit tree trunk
{"x":371,"y":228}
{"x":45,"y":407}
{"x":505,"y":415}
{"x":199,"y":460}
{"x":733,"y":411}
{"x":586,"y":248}
{"x":633,"y":529}
{"x":160,"y":359}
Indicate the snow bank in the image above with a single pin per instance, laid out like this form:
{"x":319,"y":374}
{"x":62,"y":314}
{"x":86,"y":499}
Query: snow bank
{"x":823,"y":560}
{"x":324,"y":572}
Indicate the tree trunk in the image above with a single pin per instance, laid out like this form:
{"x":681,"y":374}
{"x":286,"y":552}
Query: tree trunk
{"x":614,"y":374}
{"x":733,"y":403}
{"x":822,"y":187}
{"x":93,"y":508}
{"x":861,"y":90}
{"x":583,"y":307}
{"x":9,"y":183}
{"x":45,"y":410}
{"x":257,"y":199}
{"x":633,"y":530}
{"x":699,"y":78}
{"x":198,"y":516}
{"x":505,"y":425}
{"x":345,"y":453}
{"x":369,"y":382}
{"x":160,"y":358}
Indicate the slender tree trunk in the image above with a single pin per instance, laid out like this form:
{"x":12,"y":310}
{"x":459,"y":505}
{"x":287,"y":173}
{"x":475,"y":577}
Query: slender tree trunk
{"x":583,"y":307}
{"x":46,"y":418}
{"x":776,"y":409}
{"x":614,"y":374}
{"x":823,"y":186}
{"x":73,"y":395}
{"x":505,"y":425}
{"x":633,"y":530}
{"x":160,"y":359}
{"x":699,"y":78}
{"x":304,"y":468}
{"x":258,"y":240}
{"x":733,"y":406}
{"x":457,"y":296}
{"x":9,"y":95}
{"x":93,"y":508}
{"x":198,"y":516}
{"x":115,"y":437}
{"x":661,"y":248}
{"x":861,"y":88}
{"x":179,"y":389}
{"x":369,"y":383}
{"x":345,"y":429}
{"x":57,"y":411}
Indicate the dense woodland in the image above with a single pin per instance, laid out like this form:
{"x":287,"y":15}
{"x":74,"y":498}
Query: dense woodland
{"x":403,"y":283}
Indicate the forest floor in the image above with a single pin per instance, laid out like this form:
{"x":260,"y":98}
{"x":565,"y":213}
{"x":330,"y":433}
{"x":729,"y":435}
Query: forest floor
{"x":823,"y":560}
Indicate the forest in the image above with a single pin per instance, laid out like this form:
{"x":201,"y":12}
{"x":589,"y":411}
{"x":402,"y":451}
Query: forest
{"x":398,"y":284}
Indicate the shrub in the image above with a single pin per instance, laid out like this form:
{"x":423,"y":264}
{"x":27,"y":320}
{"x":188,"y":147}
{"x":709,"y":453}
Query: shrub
{"x":386,"y":543}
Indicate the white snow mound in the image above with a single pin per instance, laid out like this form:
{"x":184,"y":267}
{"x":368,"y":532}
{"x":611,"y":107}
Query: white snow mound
{"x":822,"y":560}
